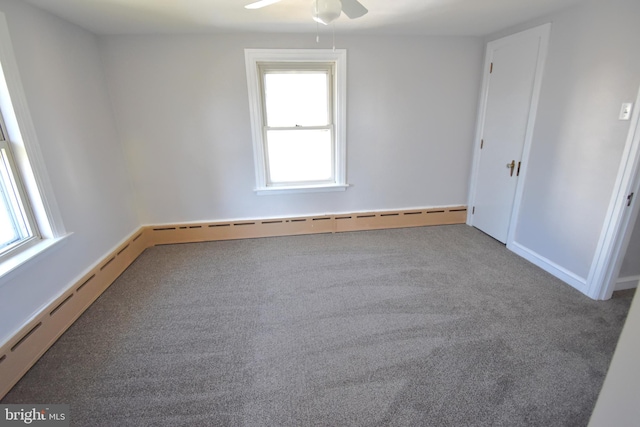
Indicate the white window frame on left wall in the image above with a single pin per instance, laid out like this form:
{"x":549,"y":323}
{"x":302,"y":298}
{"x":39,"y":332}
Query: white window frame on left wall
{"x":25,"y":149}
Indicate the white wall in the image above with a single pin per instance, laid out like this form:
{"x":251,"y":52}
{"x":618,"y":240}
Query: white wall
{"x":593,"y":66}
{"x":182,"y":108}
{"x":64,"y":84}
{"x":617,"y":403}
{"x":631,"y":262}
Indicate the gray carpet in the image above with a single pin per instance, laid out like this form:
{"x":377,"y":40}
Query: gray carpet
{"x":433,"y":326}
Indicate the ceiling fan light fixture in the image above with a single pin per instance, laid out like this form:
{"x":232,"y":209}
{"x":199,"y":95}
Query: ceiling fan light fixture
{"x":326,"y":11}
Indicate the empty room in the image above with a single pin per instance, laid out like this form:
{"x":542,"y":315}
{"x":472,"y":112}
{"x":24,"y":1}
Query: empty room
{"x":319,"y":212}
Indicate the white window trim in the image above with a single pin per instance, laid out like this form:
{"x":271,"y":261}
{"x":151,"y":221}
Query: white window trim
{"x":339,"y":56}
{"x":24,"y":222}
{"x":28,"y":158}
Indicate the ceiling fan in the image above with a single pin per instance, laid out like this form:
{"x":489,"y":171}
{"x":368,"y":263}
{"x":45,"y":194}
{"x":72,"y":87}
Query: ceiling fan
{"x":324,"y":11}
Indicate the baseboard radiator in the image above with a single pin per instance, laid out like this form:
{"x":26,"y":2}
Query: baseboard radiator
{"x":248,"y":229}
{"x":24,"y":349}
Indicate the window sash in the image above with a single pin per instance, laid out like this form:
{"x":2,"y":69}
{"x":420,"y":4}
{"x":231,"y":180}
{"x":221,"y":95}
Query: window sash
{"x":326,"y":68}
{"x":315,"y":149}
{"x":18,"y":217}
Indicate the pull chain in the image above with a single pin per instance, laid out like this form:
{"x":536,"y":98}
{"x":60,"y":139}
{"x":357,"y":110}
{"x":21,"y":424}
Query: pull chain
{"x":334,"y":35}
{"x":317,"y":25}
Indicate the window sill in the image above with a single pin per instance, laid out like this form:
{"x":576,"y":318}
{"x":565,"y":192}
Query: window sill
{"x":11,"y":264}
{"x":300,"y":189}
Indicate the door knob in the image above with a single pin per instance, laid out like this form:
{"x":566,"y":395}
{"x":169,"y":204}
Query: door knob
{"x":511,"y":166}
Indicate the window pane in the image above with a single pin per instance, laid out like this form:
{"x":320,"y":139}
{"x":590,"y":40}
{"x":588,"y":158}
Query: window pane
{"x":299,"y":155}
{"x":8,"y":232}
{"x":296,"y":99}
{"x":13,"y":223}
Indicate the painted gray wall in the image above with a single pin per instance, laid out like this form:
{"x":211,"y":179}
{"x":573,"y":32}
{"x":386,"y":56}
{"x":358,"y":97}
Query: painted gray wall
{"x":181,"y":105}
{"x":631,"y":263}
{"x":64,"y":84}
{"x":593,"y":66}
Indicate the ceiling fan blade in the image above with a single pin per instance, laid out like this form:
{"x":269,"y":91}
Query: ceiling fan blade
{"x":260,"y":3}
{"x":353,"y":8}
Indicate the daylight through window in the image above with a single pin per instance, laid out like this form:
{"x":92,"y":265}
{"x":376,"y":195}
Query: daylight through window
{"x":298,"y":128}
{"x":17,"y":227}
{"x":297,"y":119}
{"x":30,"y":222}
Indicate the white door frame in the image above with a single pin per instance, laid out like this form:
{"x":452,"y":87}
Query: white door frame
{"x":542,"y":32}
{"x":618,"y":224}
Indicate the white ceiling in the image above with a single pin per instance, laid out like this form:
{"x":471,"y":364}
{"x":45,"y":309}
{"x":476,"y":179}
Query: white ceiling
{"x":410,"y":17}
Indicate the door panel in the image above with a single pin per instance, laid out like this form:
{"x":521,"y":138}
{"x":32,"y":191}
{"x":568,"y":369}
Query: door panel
{"x":504,"y":128}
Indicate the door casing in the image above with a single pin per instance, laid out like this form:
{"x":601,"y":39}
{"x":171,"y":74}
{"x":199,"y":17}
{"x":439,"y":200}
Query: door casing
{"x":620,"y":219}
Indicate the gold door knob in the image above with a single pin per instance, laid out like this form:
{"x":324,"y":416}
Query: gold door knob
{"x":511,"y":166}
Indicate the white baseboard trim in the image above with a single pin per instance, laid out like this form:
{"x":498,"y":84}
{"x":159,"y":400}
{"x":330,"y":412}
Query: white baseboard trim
{"x":624,"y":283}
{"x":572,"y":279}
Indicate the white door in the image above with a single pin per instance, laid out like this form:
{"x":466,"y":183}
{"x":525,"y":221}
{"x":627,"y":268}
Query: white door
{"x":505,"y":123}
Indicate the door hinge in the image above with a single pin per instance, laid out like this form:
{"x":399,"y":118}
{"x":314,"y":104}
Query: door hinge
{"x":481,"y":144}
{"x":473,"y":211}
{"x":629,"y":199}
{"x":491,"y":68}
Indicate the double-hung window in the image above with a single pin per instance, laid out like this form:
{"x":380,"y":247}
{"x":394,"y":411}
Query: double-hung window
{"x":17,"y":225}
{"x":297,"y":102}
{"x":30,"y":222}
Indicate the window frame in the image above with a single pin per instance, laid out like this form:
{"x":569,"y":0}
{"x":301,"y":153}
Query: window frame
{"x":21,"y":207}
{"x":289,"y":58}
{"x":26,"y":155}
{"x":328,"y":70}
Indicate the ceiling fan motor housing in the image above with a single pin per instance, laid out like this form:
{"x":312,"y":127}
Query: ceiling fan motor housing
{"x":326,"y":11}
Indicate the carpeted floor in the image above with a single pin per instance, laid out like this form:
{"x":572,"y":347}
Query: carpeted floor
{"x":433,"y":326}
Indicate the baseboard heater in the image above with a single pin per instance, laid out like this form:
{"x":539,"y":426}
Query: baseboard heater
{"x":247,"y":229}
{"x":23,"y":350}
